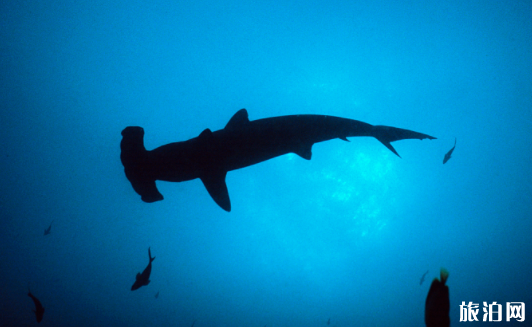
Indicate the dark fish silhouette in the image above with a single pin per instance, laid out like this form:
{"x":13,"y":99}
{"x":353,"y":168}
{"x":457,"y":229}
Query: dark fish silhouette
{"x":39,"y":309}
{"x":240,"y":144}
{"x":423,"y":277}
{"x":329,"y":322}
{"x":144,"y":278}
{"x":47,"y":231}
{"x":437,"y":304}
{"x":193,"y":323}
{"x":448,"y":154}
{"x":157,"y":294}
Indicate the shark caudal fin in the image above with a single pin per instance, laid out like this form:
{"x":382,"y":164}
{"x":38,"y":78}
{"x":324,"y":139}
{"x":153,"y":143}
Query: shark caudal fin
{"x":132,"y":156}
{"x":387,"y":134}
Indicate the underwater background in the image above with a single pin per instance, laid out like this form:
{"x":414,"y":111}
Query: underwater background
{"x":346,"y":236}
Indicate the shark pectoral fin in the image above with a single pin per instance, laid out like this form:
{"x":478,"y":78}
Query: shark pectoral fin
{"x":304,"y":151}
{"x":215,"y":184}
{"x":241,"y":117}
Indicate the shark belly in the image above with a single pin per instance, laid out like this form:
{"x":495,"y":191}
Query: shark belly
{"x":232,"y":150}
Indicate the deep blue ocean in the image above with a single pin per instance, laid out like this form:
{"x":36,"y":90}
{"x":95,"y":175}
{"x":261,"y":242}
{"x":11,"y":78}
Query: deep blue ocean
{"x":341,"y":240}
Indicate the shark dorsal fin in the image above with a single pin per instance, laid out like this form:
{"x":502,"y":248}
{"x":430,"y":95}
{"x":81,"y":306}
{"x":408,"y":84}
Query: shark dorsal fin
{"x":205,"y":135}
{"x":215,"y":184}
{"x":241,"y":117}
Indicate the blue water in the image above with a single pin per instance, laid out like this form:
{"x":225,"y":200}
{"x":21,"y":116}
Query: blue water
{"x":345,"y":236}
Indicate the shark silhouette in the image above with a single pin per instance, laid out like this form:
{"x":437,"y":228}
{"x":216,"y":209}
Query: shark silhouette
{"x":448,"y":154}
{"x":240,"y":144}
{"x":144,"y":278}
{"x":39,"y":309}
{"x":47,"y":230}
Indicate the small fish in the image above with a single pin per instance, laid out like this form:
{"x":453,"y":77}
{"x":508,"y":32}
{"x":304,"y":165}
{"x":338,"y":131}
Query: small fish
{"x":448,"y":154}
{"x":144,"y":278}
{"x":437,"y":304}
{"x":47,"y":231}
{"x":39,"y":309}
{"x":423,"y":277}
{"x":157,"y":295}
{"x":329,"y":322}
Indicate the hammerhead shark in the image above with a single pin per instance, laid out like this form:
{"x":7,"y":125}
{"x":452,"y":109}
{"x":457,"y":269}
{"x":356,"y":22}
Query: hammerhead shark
{"x":39,"y":309}
{"x":144,"y":278}
{"x":47,"y":230}
{"x":240,"y":144}
{"x":448,"y":154}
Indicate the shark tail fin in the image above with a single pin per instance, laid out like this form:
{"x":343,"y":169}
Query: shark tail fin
{"x":388,"y":134}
